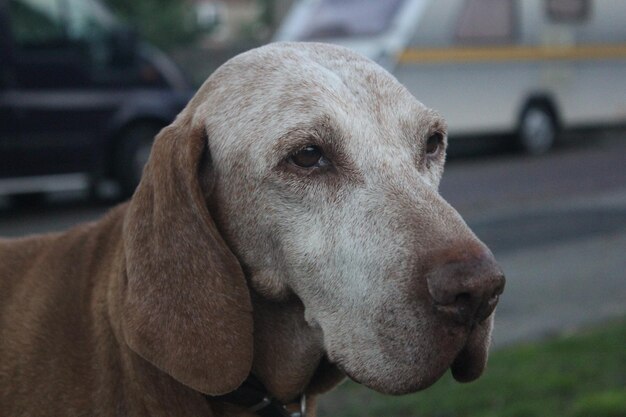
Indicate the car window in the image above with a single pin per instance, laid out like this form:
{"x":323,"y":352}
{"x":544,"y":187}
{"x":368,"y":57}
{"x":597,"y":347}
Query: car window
{"x":87,"y":20}
{"x":90,"y":25}
{"x":36,"y":22}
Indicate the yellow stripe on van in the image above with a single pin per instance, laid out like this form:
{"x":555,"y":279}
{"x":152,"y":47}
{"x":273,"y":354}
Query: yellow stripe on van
{"x":512,"y":53}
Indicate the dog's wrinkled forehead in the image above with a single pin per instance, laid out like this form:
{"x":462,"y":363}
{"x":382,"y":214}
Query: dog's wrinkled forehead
{"x":271,"y":90}
{"x":297,"y":81}
{"x":307,"y":73}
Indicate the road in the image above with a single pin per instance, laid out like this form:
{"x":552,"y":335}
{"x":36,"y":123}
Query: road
{"x":556,"y":223}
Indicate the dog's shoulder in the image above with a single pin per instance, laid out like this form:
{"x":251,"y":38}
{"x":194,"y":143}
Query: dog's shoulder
{"x":32,"y":262}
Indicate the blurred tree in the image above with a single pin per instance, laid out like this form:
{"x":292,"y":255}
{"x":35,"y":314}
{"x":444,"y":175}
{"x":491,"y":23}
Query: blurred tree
{"x":164,"y":23}
{"x":267,"y":16}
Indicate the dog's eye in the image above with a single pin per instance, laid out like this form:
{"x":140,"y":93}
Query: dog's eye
{"x":308,"y":157}
{"x":433,"y":143}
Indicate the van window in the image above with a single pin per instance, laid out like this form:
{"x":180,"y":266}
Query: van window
{"x":349,"y":18}
{"x":36,"y":23}
{"x":486,"y":21}
{"x":569,"y":11}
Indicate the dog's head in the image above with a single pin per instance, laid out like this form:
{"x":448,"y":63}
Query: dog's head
{"x":320,"y":172}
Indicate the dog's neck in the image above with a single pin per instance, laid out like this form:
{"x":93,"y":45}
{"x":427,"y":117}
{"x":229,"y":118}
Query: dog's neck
{"x":289,"y":360}
{"x":288,"y":353}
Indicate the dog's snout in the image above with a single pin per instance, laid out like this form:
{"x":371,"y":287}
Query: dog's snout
{"x":466,"y":290}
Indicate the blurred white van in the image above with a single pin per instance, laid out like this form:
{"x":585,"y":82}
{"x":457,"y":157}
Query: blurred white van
{"x":529,"y":67}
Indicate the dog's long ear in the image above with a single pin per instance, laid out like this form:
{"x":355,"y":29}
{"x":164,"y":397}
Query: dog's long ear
{"x":185,"y":305}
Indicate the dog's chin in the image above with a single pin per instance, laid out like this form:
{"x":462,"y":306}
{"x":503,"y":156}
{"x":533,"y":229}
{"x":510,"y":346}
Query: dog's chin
{"x":466,"y":361}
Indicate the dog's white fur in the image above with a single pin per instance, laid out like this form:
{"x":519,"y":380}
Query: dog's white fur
{"x":353,"y":243}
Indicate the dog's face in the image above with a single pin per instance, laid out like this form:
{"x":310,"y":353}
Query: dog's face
{"x":324,"y":185}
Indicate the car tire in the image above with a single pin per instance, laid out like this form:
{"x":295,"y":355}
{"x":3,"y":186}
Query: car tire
{"x":131,"y":156}
{"x":537,"y":130}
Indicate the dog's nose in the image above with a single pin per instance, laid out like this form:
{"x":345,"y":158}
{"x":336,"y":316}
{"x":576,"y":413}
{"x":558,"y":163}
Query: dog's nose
{"x":466,"y":290}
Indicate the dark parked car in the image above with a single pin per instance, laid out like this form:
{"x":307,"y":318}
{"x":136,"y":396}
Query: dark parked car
{"x":81,"y":97}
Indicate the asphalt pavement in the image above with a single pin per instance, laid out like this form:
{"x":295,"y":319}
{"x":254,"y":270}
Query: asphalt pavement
{"x":556,"y":224}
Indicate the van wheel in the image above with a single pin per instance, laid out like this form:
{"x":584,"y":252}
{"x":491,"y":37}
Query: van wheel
{"x":537,"y":130}
{"x":131,"y":156}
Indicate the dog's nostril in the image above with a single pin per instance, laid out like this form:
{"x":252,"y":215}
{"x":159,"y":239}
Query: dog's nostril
{"x":467,"y":308}
{"x":467,"y":304}
{"x":496,"y":294}
{"x":501,"y":280}
{"x":460,"y":312}
{"x":463,"y":298}
{"x":460,"y":308}
{"x":486,"y":309}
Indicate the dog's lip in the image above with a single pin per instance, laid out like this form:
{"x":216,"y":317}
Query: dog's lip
{"x":464,"y":353}
{"x":470,"y":362}
{"x":463,"y":368}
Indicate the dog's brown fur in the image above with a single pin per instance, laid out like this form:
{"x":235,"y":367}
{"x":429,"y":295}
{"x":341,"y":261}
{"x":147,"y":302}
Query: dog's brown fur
{"x":201,"y":279}
{"x":80,"y":312}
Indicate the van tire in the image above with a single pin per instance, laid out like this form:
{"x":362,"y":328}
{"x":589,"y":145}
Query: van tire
{"x":538,"y":130}
{"x":132,"y":154}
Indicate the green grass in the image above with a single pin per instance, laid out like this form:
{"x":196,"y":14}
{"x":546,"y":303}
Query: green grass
{"x":579,"y":375}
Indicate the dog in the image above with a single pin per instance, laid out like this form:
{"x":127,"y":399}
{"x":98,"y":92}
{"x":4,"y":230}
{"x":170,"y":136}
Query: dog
{"x":287,"y":229}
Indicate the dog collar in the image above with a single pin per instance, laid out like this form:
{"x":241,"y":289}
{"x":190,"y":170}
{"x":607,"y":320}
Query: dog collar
{"x":253,"y":395}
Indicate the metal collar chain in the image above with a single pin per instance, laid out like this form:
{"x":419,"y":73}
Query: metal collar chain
{"x":269,"y":407}
{"x":255,"y":398}
{"x":302,"y":412}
